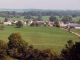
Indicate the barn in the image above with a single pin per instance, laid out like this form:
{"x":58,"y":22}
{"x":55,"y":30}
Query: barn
{"x":73,"y":25}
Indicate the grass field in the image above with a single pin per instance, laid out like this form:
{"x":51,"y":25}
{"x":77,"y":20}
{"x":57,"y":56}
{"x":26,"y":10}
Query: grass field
{"x":41,"y":37}
{"x":45,"y":18}
{"x":76,"y":30}
{"x":76,"y":18}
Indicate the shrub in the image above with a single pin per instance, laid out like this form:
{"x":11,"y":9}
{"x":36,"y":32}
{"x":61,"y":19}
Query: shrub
{"x":3,"y":49}
{"x":71,"y":52}
{"x":19,"y":24}
{"x":1,"y":27}
{"x":16,"y":45}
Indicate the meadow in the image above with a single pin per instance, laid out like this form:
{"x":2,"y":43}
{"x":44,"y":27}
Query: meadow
{"x":76,"y":30}
{"x":41,"y":37}
{"x":45,"y":18}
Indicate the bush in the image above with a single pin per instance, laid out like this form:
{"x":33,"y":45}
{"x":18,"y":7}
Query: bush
{"x":16,"y":45}
{"x":19,"y":24}
{"x":1,"y":27}
{"x":3,"y":49}
{"x":37,"y":54}
{"x":71,"y":52}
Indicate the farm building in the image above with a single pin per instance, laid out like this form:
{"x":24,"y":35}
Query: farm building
{"x":50,"y":23}
{"x":74,"y":25}
{"x":7,"y":23}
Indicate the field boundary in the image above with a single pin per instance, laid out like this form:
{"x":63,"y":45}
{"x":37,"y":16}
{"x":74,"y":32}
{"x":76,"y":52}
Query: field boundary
{"x":73,"y":33}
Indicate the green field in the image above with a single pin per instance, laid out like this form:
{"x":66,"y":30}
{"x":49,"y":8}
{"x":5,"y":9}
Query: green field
{"x":76,"y":18}
{"x":76,"y":30}
{"x":41,"y":37}
{"x":45,"y":18}
{"x":21,"y":18}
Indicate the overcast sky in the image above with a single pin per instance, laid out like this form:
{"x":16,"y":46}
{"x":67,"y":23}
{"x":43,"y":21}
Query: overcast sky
{"x":41,"y":4}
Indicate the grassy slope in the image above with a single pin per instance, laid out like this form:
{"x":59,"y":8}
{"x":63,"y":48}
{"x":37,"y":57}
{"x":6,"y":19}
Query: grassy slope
{"x":21,"y":18}
{"x":45,"y":18}
{"x":76,"y":30}
{"x":41,"y":37}
{"x":76,"y":18}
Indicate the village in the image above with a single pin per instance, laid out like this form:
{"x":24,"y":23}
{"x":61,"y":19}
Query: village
{"x":31,"y":22}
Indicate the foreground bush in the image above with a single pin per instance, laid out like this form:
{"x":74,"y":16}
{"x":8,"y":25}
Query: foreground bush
{"x":18,"y":49}
{"x":16,"y":45}
{"x":2,"y":27}
{"x":3,"y":49}
{"x":71,"y":52}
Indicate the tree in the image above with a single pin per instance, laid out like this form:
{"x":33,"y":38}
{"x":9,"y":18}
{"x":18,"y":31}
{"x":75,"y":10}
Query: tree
{"x":66,"y":19}
{"x":71,"y":51}
{"x":16,"y":46}
{"x":2,"y":27}
{"x":74,"y":15}
{"x":3,"y":49}
{"x":78,"y":22}
{"x":56,"y":23}
{"x":52,"y":19}
{"x":28,"y":17}
{"x":39,"y":17}
{"x":19,"y":24}
{"x":6,"y":19}
{"x":36,"y":54}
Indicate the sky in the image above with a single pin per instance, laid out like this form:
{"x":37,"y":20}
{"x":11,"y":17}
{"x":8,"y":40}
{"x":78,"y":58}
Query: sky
{"x":41,"y":4}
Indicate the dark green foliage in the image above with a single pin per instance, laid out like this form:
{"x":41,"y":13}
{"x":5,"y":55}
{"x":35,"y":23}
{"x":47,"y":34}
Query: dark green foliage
{"x":34,"y":23}
{"x":28,"y":17}
{"x":3,"y":49}
{"x":56,"y":23}
{"x":60,"y":13}
{"x":39,"y":17}
{"x":7,"y":58}
{"x":78,"y":22}
{"x":66,"y":19}
{"x":16,"y":46}
{"x":36,"y":54}
{"x":71,"y":52}
{"x":2,"y":27}
{"x":52,"y":19}
{"x":19,"y":24}
{"x":6,"y":19}
{"x":74,"y":15}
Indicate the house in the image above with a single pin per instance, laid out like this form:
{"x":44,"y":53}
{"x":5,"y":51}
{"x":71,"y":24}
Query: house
{"x":61,"y":24}
{"x":7,"y":23}
{"x":50,"y":23}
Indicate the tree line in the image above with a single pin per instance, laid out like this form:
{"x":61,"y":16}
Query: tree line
{"x":28,"y":14}
{"x":17,"y":48}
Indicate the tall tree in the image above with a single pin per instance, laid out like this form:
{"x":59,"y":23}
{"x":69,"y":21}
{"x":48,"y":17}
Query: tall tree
{"x":52,"y":18}
{"x":19,"y":24}
{"x":16,"y":45}
{"x":66,"y":19}
{"x":6,"y":19}
{"x":39,"y":17}
{"x":78,"y":22}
